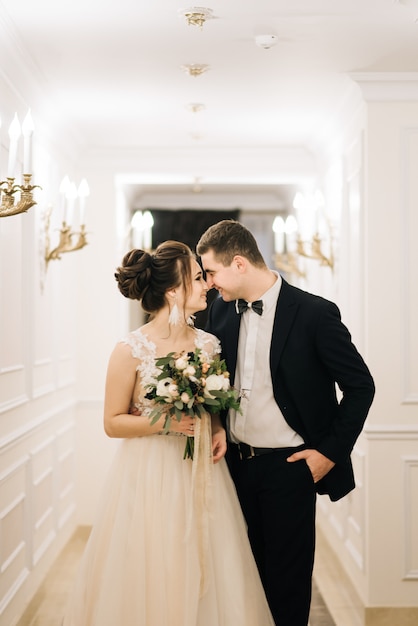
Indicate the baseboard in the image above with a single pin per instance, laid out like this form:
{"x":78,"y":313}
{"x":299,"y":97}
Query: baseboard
{"x":341,"y":598}
{"x":389,"y":616}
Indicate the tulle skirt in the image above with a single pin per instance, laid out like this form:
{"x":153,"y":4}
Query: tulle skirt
{"x":159,"y":556}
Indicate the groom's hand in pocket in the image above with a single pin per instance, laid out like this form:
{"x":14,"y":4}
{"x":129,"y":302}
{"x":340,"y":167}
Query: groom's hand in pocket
{"x":318,"y":464}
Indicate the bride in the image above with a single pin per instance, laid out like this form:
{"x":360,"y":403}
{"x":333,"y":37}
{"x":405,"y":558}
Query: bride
{"x":169,"y":544}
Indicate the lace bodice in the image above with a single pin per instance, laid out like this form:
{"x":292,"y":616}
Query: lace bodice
{"x":143,"y":349}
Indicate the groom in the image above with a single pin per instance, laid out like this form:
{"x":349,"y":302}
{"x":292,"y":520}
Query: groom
{"x":286,"y":350}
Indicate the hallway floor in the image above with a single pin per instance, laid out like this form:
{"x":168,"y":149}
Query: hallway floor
{"x":47,"y":607}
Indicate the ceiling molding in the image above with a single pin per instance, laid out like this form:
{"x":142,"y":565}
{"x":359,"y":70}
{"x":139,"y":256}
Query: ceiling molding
{"x":387,"y":86}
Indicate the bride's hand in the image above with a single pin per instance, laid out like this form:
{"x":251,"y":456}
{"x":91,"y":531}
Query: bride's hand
{"x":185,"y":425}
{"x":218,"y":444}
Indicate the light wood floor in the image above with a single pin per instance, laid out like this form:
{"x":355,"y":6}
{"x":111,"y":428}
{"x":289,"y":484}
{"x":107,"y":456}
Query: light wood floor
{"x":47,"y":607}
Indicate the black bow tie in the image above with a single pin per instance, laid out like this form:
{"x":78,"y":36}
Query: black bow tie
{"x":243,"y":305}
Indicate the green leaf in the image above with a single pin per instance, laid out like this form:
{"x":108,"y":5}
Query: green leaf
{"x":211,"y":401}
{"x":179,"y":405}
{"x":167,"y":425}
{"x":200,"y":410}
{"x":219,"y":394}
{"x":178,"y":414}
{"x":155,"y":415}
{"x":164,"y":360}
{"x":189,"y":448}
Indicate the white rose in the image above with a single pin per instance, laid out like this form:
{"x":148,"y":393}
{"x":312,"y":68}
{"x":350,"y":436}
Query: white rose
{"x":225,"y":383}
{"x":213,"y":383}
{"x":181,"y":363}
{"x":173,"y":390}
{"x":190,"y":371}
{"x":185,"y":397}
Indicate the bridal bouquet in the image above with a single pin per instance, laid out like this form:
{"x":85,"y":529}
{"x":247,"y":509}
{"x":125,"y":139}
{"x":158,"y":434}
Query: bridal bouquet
{"x":189,"y":383}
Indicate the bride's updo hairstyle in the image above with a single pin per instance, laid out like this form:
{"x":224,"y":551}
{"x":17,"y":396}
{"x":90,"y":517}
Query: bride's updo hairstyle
{"x":146,"y":277}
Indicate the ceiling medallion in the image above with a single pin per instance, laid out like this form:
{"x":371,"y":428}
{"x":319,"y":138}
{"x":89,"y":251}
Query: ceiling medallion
{"x":196,"y":136}
{"x":196,"y":16}
{"x":195,"y":69}
{"x":195,"y":107}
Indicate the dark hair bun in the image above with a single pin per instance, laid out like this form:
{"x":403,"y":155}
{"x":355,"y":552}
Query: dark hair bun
{"x":147,"y":277}
{"x":133,"y":276}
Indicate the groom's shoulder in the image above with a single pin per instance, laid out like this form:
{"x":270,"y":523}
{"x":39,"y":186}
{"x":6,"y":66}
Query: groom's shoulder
{"x":303,"y":297}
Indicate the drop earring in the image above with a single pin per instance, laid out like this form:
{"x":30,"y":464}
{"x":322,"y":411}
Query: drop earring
{"x":174,"y":317}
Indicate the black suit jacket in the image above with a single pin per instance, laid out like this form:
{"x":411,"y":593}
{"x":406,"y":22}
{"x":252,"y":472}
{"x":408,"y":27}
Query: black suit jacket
{"x":311,"y":352}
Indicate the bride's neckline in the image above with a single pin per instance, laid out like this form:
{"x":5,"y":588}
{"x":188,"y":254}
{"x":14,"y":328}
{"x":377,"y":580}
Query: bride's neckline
{"x":152,"y":345}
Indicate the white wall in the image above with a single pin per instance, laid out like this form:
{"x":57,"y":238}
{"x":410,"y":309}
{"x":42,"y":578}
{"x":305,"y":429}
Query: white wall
{"x":374,"y":529}
{"x":392,"y":269}
{"x":37,"y":398}
{"x":38,"y":351}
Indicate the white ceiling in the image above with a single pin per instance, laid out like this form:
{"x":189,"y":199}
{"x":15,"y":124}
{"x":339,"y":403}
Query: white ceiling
{"x":113,"y":68}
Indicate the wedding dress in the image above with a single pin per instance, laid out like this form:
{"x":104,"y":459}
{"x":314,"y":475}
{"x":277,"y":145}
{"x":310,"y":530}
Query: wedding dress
{"x":169,"y":545}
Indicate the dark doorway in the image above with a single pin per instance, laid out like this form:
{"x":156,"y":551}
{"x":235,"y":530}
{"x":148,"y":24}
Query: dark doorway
{"x":187,"y":225}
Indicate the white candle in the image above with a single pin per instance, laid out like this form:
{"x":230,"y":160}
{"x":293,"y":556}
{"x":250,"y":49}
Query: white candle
{"x":64,"y":186}
{"x":137,"y":228}
{"x":291,"y":228}
{"x":14,"y":134}
{"x":83,"y":193}
{"x":148,"y":223}
{"x":319,"y":204}
{"x":27,"y":128}
{"x":71,"y":198}
{"x":278,"y":229}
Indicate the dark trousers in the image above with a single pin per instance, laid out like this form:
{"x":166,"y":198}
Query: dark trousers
{"x":278,"y":501}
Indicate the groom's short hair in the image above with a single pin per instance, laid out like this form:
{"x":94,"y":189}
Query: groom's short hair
{"x":227,"y":239}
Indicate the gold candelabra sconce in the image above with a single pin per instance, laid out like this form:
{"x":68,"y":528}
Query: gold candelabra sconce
{"x":289,"y":244}
{"x":69,"y":239}
{"x":315,"y":251}
{"x":285,"y":257}
{"x":9,"y":206}
{"x":9,"y":190}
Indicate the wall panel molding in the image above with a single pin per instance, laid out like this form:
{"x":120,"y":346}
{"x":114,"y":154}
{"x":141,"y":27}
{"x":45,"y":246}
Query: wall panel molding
{"x":409,"y":261}
{"x":13,"y":403}
{"x":391,"y":431}
{"x":12,"y":387}
{"x":30,"y":427}
{"x":410,"y":507}
{"x":13,"y":530}
{"x":43,"y":378}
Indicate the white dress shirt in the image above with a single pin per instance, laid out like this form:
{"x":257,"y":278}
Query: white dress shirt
{"x":261,"y":423}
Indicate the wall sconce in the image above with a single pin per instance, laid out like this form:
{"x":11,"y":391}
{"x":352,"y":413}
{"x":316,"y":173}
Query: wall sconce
{"x":8,"y":188}
{"x":310,"y":206}
{"x":69,"y":194}
{"x":300,"y":238}
{"x":285,"y":245}
{"x":141,"y":227}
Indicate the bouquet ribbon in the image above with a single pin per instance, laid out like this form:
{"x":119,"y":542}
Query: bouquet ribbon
{"x":201,"y":493}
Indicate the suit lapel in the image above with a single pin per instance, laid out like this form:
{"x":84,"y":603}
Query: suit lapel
{"x":286,"y":310}
{"x":230,"y":340}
